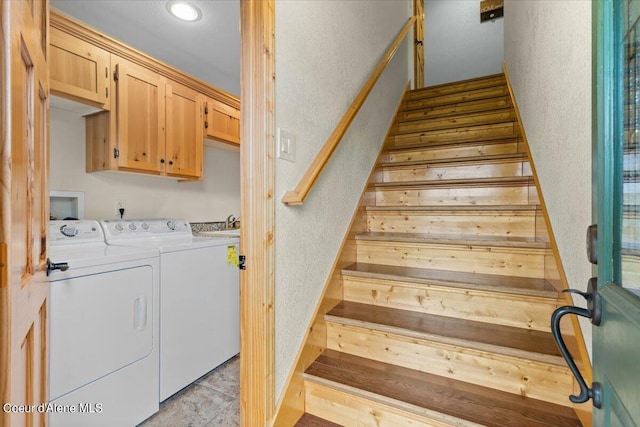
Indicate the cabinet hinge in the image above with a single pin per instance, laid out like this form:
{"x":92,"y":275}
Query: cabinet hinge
{"x":106,"y":72}
{"x":206,"y":124}
{"x":106,"y":92}
{"x":206,"y":109}
{"x":116,"y":153}
{"x":243,"y":262}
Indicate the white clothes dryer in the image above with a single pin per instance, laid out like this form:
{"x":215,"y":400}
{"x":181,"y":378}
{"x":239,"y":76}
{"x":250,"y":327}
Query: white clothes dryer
{"x":104,"y":329}
{"x":199,"y":296}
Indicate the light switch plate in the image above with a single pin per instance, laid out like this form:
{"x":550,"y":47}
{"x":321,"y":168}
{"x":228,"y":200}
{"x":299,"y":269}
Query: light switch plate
{"x":286,"y":145}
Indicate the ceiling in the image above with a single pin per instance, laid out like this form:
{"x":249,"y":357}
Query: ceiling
{"x":208,"y":49}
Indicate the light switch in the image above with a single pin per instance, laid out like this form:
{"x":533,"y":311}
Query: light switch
{"x":286,"y":145}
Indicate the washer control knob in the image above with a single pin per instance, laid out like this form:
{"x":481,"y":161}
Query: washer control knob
{"x":171,"y":225}
{"x":118,"y":227}
{"x":144,"y":226}
{"x":69,"y":230}
{"x":132,"y":226}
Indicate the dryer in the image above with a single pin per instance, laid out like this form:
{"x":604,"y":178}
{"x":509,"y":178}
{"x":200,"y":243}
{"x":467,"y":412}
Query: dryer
{"x":104,"y":329}
{"x":199,"y":296}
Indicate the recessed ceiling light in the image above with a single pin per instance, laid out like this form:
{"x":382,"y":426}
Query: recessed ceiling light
{"x":184,"y":10}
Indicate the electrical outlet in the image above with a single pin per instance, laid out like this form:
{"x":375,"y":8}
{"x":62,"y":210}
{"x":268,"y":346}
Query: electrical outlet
{"x":120,"y":204}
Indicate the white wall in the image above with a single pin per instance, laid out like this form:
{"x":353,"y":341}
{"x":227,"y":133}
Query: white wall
{"x":212,"y":199}
{"x":325,"y":51}
{"x":548,"y":56}
{"x":457,"y":46}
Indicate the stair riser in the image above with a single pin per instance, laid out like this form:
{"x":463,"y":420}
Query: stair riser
{"x":485,"y":223}
{"x":454,"y":98}
{"x":459,"y":108}
{"x":482,"y":306}
{"x":464,"y":170}
{"x":538,"y":380}
{"x":350,"y":410}
{"x":505,"y":261}
{"x":452,"y":151}
{"x":462,"y":134}
{"x":514,"y":194}
{"x":461,"y":87}
{"x":457,"y":121}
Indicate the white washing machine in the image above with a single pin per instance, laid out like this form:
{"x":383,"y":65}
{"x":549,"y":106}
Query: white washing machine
{"x":199,"y":296}
{"x":104,"y":329}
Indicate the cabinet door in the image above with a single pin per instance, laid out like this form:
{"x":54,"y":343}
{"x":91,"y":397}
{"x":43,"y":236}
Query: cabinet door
{"x":140,"y":118}
{"x":79,"y":70}
{"x":184,"y":108}
{"x":222,"y":122}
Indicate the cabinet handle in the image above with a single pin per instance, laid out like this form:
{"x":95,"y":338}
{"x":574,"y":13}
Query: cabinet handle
{"x":170,"y":162}
{"x":206,"y":124}
{"x":106,"y":92}
{"x":161,"y":160}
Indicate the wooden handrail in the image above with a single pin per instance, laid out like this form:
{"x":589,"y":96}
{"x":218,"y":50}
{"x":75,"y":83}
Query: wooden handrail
{"x":297,"y":196}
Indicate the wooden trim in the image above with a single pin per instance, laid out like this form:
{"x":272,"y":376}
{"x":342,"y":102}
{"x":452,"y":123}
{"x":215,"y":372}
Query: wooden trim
{"x":584,"y":410}
{"x":297,"y":196}
{"x":257,"y":155}
{"x":5,"y":211}
{"x":84,"y":32}
{"x":292,"y":403}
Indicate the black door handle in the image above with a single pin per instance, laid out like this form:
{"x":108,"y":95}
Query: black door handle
{"x":593,"y":312}
{"x":51,"y":266}
{"x":419,"y":42}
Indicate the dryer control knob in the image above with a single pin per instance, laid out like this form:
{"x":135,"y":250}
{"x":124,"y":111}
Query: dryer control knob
{"x":171,"y":225}
{"x":132,"y":226}
{"x":69,"y":230}
{"x":118,"y":227}
{"x":144,"y":226}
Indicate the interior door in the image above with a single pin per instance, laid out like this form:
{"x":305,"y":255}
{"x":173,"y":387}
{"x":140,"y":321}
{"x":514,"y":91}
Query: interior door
{"x":616,"y":341}
{"x":24,"y":289}
{"x":418,"y":47}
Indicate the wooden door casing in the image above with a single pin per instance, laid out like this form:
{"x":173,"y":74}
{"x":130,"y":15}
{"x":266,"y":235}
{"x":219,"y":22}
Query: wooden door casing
{"x":24,"y":287}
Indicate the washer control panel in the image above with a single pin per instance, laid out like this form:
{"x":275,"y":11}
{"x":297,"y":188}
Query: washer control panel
{"x":140,"y":228}
{"x":74,"y":231}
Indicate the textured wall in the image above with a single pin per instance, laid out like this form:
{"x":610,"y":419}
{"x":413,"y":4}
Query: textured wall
{"x":457,"y":46}
{"x":325,"y":51}
{"x":548,"y":56}
{"x":212,"y":199}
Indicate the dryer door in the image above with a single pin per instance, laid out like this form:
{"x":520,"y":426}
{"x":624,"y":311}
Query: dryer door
{"x":100,"y":322}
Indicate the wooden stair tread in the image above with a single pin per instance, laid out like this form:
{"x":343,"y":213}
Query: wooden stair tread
{"x":439,"y":144}
{"x":462,"y":119}
{"x":472,"y":94}
{"x":455,"y":130}
{"x":308,"y":420}
{"x":452,"y":208}
{"x":507,"y":340}
{"x":407,"y":389}
{"x":451,"y":183}
{"x":467,"y":240}
{"x":456,"y":160}
{"x":447,"y":110}
{"x":476,"y":281}
{"x":453,"y":87}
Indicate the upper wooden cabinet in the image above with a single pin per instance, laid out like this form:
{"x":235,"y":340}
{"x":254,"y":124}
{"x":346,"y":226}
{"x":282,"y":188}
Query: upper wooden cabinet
{"x":79,"y":70}
{"x":222,"y":122}
{"x":140,"y":118}
{"x":184,"y":145}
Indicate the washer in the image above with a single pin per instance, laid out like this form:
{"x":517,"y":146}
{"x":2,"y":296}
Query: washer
{"x":104,"y":329}
{"x":199,"y":296}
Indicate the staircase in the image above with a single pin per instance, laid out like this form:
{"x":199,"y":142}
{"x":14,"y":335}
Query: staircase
{"x":445,"y":317}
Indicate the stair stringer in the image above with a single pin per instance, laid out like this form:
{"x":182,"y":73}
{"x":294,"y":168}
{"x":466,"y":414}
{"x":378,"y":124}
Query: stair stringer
{"x":292,"y":403}
{"x":554,"y":270}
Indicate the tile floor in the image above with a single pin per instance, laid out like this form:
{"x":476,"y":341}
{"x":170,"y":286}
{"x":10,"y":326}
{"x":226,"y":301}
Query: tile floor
{"x":212,"y":401}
